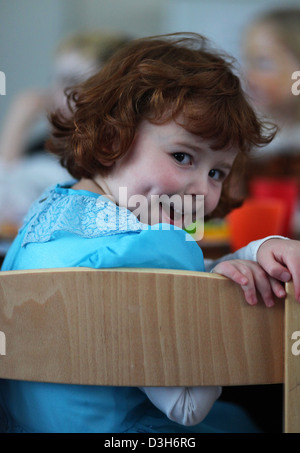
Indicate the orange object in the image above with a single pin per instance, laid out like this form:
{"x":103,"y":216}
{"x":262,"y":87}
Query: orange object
{"x":280,"y":189}
{"x":255,"y":219}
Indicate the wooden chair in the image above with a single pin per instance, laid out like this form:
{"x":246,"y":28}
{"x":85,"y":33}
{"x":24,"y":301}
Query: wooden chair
{"x":146,"y":327}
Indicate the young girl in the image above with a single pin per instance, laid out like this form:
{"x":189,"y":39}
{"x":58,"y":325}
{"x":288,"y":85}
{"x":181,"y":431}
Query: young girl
{"x":165,"y":117}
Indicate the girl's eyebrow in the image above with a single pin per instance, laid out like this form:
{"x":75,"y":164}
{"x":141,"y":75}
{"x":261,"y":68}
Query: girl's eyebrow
{"x":191,"y":146}
{"x":226,"y":166}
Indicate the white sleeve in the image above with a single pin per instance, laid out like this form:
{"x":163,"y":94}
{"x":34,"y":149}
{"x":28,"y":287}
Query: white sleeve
{"x":185,"y":405}
{"x":249,"y":252}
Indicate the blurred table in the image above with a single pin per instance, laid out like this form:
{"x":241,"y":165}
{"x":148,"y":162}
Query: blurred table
{"x":216,"y":240}
{"x":8,"y":232}
{"x":4,"y":246}
{"x":214,"y":250}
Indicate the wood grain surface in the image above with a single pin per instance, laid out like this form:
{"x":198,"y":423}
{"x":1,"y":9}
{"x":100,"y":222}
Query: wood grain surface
{"x":136,"y":327}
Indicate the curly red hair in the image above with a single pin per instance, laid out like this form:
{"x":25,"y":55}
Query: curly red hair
{"x":158,"y":79}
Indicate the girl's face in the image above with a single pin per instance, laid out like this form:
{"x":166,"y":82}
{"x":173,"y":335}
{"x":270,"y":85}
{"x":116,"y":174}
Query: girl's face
{"x":167,"y":160}
{"x":268,"y":68}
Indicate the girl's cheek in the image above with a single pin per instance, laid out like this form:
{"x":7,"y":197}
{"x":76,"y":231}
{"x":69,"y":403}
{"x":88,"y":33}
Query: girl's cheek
{"x":211,"y":202}
{"x":170,"y":184}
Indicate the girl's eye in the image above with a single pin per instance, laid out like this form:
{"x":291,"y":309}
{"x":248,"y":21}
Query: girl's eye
{"x":182,"y":158}
{"x":217,"y":175}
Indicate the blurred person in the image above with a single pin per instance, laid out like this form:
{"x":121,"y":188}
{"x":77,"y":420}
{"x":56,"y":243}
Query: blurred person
{"x":25,"y":168}
{"x":272,"y":60}
{"x":76,"y":58}
{"x":272,"y":56}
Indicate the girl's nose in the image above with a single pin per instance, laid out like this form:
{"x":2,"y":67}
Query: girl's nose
{"x":199,"y":186}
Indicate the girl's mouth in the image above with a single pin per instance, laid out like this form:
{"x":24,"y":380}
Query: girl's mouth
{"x":176,"y":216}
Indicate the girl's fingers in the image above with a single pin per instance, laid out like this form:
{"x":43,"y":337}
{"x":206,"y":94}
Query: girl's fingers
{"x":253,"y":280}
{"x":231,"y":271}
{"x":259,"y":284}
{"x":265,"y":289}
{"x":250,"y":293}
{"x":281,"y":260}
{"x":240,"y":274}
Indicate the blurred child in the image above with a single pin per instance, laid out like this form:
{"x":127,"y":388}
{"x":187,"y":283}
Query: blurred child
{"x":272,"y":55}
{"x":25,"y":169}
{"x":272,"y":60}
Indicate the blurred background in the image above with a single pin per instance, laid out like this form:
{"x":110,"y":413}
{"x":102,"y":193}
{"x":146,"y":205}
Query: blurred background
{"x":30,"y":30}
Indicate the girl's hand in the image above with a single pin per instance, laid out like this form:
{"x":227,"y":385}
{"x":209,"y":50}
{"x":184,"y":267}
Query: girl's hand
{"x":253,"y":280}
{"x":280,"y":258}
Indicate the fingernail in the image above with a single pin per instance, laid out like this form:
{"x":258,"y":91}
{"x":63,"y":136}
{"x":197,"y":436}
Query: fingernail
{"x":252,"y":300}
{"x":285,"y":276}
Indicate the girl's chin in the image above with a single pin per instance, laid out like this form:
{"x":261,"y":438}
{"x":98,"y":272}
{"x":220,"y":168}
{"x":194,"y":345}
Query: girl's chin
{"x":178,"y":222}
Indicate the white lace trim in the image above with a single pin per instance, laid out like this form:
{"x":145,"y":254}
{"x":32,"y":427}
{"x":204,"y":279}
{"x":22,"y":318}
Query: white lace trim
{"x":79,"y":214}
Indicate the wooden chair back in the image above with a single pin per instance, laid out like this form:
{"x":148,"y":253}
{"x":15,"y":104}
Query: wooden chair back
{"x":146,"y":327}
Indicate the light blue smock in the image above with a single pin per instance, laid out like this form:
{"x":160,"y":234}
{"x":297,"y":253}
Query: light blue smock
{"x":69,"y":228}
